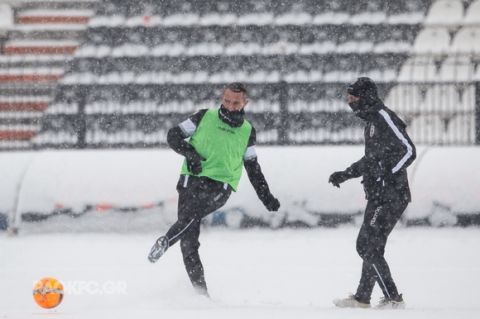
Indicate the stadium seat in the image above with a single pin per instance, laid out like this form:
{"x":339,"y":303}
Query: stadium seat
{"x":427,"y":129}
{"x":331,"y":18}
{"x":6,"y":18}
{"x":477,"y":74}
{"x":293,"y":19}
{"x":263,"y":18}
{"x":457,"y":68}
{"x":355,"y":47}
{"x":432,"y":40}
{"x":217,"y":19}
{"x":62,"y":108}
{"x":441,"y":99}
{"x":418,"y":69}
{"x":405,"y":98}
{"x":406,"y":18}
{"x":467,"y":41}
{"x":445,"y":12}
{"x":461,"y":129}
{"x":368,"y":18}
{"x":467,"y":98}
{"x":317,"y":48}
{"x":473,"y":14}
{"x":392,"y":47}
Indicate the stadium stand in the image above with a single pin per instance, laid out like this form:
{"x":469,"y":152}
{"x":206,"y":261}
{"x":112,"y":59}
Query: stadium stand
{"x":446,"y":53}
{"x":143,"y":65}
{"x":38,"y":44}
{"x":147,"y":64}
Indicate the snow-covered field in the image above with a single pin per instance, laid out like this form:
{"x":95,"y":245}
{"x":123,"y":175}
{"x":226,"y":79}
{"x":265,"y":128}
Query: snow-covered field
{"x":251,"y":274}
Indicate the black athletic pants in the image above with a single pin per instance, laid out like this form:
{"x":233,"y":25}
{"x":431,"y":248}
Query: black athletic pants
{"x":379,"y":221}
{"x":198,"y":197}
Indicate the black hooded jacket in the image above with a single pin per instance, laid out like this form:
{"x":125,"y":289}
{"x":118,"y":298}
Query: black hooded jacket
{"x":388,"y":152}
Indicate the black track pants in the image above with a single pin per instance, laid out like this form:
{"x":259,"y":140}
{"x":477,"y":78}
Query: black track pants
{"x":378,"y":223}
{"x":198,"y":197}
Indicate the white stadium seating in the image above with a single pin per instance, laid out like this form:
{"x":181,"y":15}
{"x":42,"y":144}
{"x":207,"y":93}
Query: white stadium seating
{"x":473,"y":14}
{"x":456,"y":68}
{"x":6,"y":18}
{"x":445,"y":12}
{"x":418,"y":69}
{"x":467,"y":41}
{"x":432,"y":40}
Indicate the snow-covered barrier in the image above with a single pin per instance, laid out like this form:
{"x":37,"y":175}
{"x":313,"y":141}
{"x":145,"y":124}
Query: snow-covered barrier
{"x":135,"y":190}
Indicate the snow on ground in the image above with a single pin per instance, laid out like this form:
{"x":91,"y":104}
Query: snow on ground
{"x":251,"y":274}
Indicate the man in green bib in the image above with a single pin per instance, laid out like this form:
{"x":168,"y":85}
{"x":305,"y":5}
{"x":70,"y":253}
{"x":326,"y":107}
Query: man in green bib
{"x":221,"y":142}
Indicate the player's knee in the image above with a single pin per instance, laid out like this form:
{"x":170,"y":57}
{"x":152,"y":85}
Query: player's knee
{"x":362,"y":246}
{"x":369,"y":254}
{"x":362,"y":251}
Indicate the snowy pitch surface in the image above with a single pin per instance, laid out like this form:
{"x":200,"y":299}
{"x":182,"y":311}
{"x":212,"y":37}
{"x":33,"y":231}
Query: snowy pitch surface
{"x":251,"y":274}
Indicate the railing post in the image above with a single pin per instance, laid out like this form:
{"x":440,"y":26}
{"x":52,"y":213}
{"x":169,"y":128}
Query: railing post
{"x":81,"y":122}
{"x":284,"y":118}
{"x":477,"y":113}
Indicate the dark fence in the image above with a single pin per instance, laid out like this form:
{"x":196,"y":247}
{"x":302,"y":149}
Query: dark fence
{"x":139,"y":115}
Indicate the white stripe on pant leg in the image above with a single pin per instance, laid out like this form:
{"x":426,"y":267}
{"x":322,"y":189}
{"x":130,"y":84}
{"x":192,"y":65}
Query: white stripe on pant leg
{"x":182,"y":231}
{"x":381,"y":280}
{"x":185,"y":181}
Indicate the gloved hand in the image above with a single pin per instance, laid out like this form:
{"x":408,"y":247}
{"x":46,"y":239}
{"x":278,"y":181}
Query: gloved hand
{"x":271,"y":203}
{"x":194,"y":162}
{"x":338,"y":177}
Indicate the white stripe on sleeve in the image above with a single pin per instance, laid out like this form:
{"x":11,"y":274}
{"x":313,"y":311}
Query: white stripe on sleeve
{"x":250,"y":153}
{"x":188,"y":127}
{"x":402,"y":138}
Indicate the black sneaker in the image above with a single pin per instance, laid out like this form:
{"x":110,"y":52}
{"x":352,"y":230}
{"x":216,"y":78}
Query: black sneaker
{"x":202,"y":291}
{"x":350,"y":302}
{"x":394,"y":303}
{"x":158,"y":249}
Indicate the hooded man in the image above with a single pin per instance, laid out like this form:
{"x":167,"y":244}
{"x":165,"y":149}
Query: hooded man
{"x":388,"y":153}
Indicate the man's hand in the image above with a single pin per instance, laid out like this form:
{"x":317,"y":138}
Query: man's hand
{"x":194,"y":162}
{"x":271,"y":203}
{"x":338,"y":177}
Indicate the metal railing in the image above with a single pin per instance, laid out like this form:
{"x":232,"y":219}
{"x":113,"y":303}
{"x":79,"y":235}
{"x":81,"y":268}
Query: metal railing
{"x":437,"y":113}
